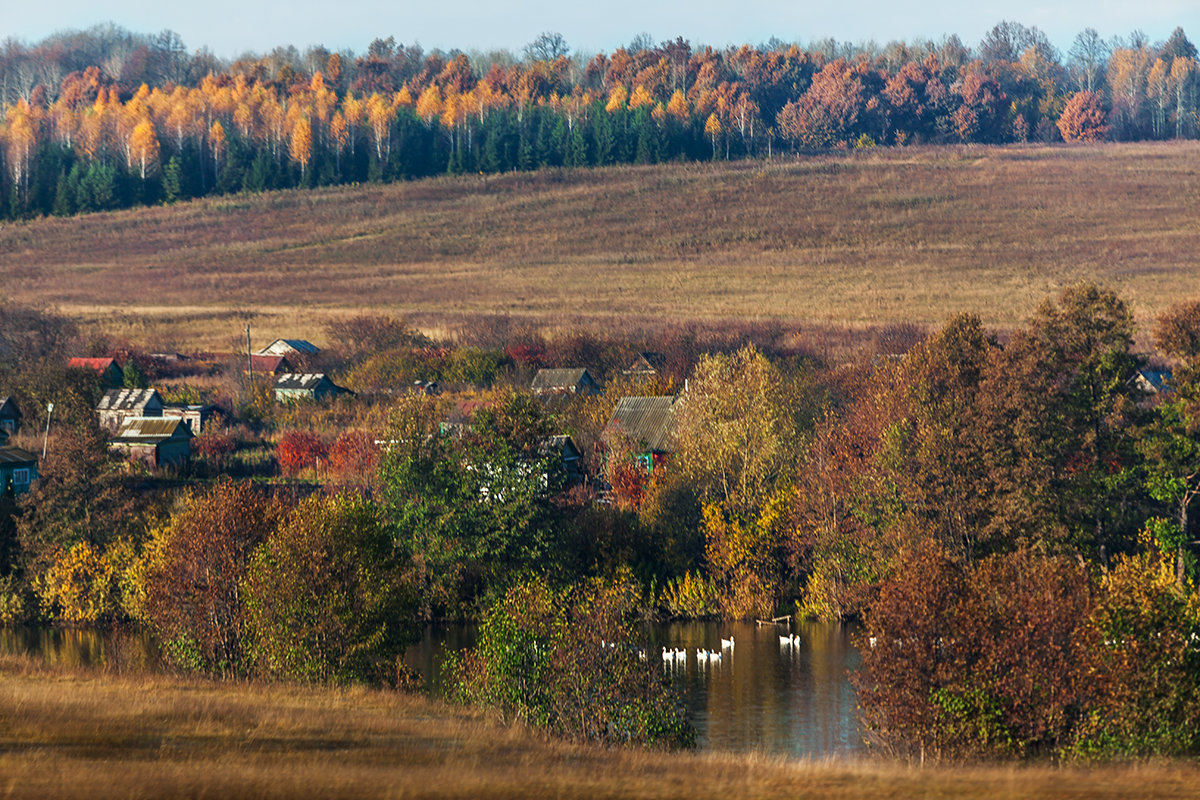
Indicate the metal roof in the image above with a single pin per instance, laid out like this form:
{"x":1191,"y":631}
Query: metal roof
{"x":151,"y":430}
{"x":128,"y":399}
{"x":645,"y":420}
{"x":15,"y":455}
{"x":284,"y":346}
{"x":561,"y":378}
{"x":98,"y":364}
{"x":301,"y":380}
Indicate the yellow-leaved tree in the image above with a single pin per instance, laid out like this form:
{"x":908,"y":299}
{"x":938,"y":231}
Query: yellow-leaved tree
{"x":143,"y":147}
{"x":300,"y":147}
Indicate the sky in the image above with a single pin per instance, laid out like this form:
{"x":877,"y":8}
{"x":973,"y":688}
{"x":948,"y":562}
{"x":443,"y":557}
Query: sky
{"x":232,"y":27}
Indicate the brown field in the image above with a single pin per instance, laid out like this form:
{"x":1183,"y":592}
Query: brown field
{"x":69,"y":733}
{"x":859,"y":239}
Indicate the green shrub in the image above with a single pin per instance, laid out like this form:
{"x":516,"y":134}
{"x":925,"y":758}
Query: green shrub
{"x":568,"y":661}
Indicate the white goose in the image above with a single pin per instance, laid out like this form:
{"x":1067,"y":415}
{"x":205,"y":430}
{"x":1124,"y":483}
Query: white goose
{"x":791,"y":640}
{"x":727,"y":643}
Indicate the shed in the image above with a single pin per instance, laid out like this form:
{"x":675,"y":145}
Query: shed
{"x":10,"y":415}
{"x":306,"y":386}
{"x":647,"y":422}
{"x":110,"y":372}
{"x":196,"y":417}
{"x":155,"y":441}
{"x":563,"y":448}
{"x":569,"y":380}
{"x":18,"y":468}
{"x":1152,"y":381}
{"x":287,"y":347}
{"x":646,"y":363}
{"x":117,"y":405}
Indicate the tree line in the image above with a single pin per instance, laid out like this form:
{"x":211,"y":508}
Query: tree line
{"x":107,"y":119}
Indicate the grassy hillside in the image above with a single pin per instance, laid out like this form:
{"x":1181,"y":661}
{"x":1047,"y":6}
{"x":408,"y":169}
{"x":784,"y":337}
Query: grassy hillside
{"x":856,"y":239}
{"x":70,"y":734}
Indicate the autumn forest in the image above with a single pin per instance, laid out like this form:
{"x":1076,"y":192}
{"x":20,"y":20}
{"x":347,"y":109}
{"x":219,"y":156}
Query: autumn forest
{"x":106,"y":118}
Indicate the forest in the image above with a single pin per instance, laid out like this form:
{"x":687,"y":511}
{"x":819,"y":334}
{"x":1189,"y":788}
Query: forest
{"x":107,"y":118}
{"x":1009,"y":517}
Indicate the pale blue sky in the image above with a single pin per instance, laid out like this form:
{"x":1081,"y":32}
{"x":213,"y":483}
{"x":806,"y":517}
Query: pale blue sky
{"x":230,"y":27}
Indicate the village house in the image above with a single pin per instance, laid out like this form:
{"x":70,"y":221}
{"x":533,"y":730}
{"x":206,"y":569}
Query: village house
{"x":647,"y":424}
{"x":155,"y":441}
{"x":294,"y":386}
{"x":290,"y":347}
{"x":567,"y":456}
{"x":569,"y":380}
{"x":196,"y":417}
{"x":110,"y":372}
{"x":10,"y":415}
{"x":118,"y":405}
{"x":1152,"y":381}
{"x":18,"y":468}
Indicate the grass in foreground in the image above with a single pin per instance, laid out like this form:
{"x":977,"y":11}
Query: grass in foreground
{"x":89,"y":734}
{"x":891,"y":235}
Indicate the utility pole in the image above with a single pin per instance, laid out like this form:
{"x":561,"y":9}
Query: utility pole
{"x":249,"y":359}
{"x":46,"y":435}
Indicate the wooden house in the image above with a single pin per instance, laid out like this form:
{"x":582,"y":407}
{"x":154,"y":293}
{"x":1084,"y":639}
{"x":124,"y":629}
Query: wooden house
{"x":290,"y":347}
{"x":294,"y":386}
{"x":156,"y":441}
{"x":570,"y":380}
{"x":110,"y":372}
{"x":118,"y":405}
{"x":1152,"y":381}
{"x":647,"y":424}
{"x":196,"y":417}
{"x":10,"y":416}
{"x":18,"y":468}
{"x":645,"y":364}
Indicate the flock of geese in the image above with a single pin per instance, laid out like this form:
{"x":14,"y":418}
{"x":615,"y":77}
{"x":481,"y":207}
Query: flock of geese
{"x":672,"y":655}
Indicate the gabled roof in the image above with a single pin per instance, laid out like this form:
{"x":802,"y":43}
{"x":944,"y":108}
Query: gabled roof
{"x":152,"y":430}
{"x":645,"y":420}
{"x":98,"y":364}
{"x":9,"y":409}
{"x":305,"y":381}
{"x":1152,"y":381}
{"x":283,"y":346}
{"x":646,"y":363}
{"x":559,"y":445}
{"x":563,"y":378}
{"x":128,"y":399}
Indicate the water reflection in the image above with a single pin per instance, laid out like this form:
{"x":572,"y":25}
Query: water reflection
{"x":760,"y":696}
{"x":118,"y":650}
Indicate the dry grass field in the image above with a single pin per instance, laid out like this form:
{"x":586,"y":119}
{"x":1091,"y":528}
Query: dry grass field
{"x":857,"y":239}
{"x":67,"y":733}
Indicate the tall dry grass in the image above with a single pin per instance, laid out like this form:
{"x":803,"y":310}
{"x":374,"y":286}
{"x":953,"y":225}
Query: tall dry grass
{"x":72,"y":733}
{"x":895,"y":235}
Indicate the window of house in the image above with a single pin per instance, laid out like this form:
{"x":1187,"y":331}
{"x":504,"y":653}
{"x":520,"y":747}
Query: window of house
{"x":20,"y":477}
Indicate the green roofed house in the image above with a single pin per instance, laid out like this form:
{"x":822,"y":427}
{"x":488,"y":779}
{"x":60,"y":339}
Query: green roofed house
{"x":156,"y":441}
{"x":18,"y":468}
{"x":293,"y":386}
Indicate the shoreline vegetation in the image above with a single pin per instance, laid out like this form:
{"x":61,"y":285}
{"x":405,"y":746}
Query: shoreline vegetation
{"x":88,"y":733}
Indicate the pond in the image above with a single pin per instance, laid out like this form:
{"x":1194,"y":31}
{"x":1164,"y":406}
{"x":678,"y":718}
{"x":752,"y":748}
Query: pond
{"x":761,"y":696}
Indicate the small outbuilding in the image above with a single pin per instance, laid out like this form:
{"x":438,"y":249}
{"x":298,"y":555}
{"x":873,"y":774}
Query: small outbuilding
{"x":569,"y":380}
{"x":155,"y":441}
{"x":294,"y":386}
{"x":110,"y":372}
{"x":10,"y":416}
{"x":646,"y":364}
{"x":117,"y":405}
{"x":269,"y":365}
{"x":566,"y":454}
